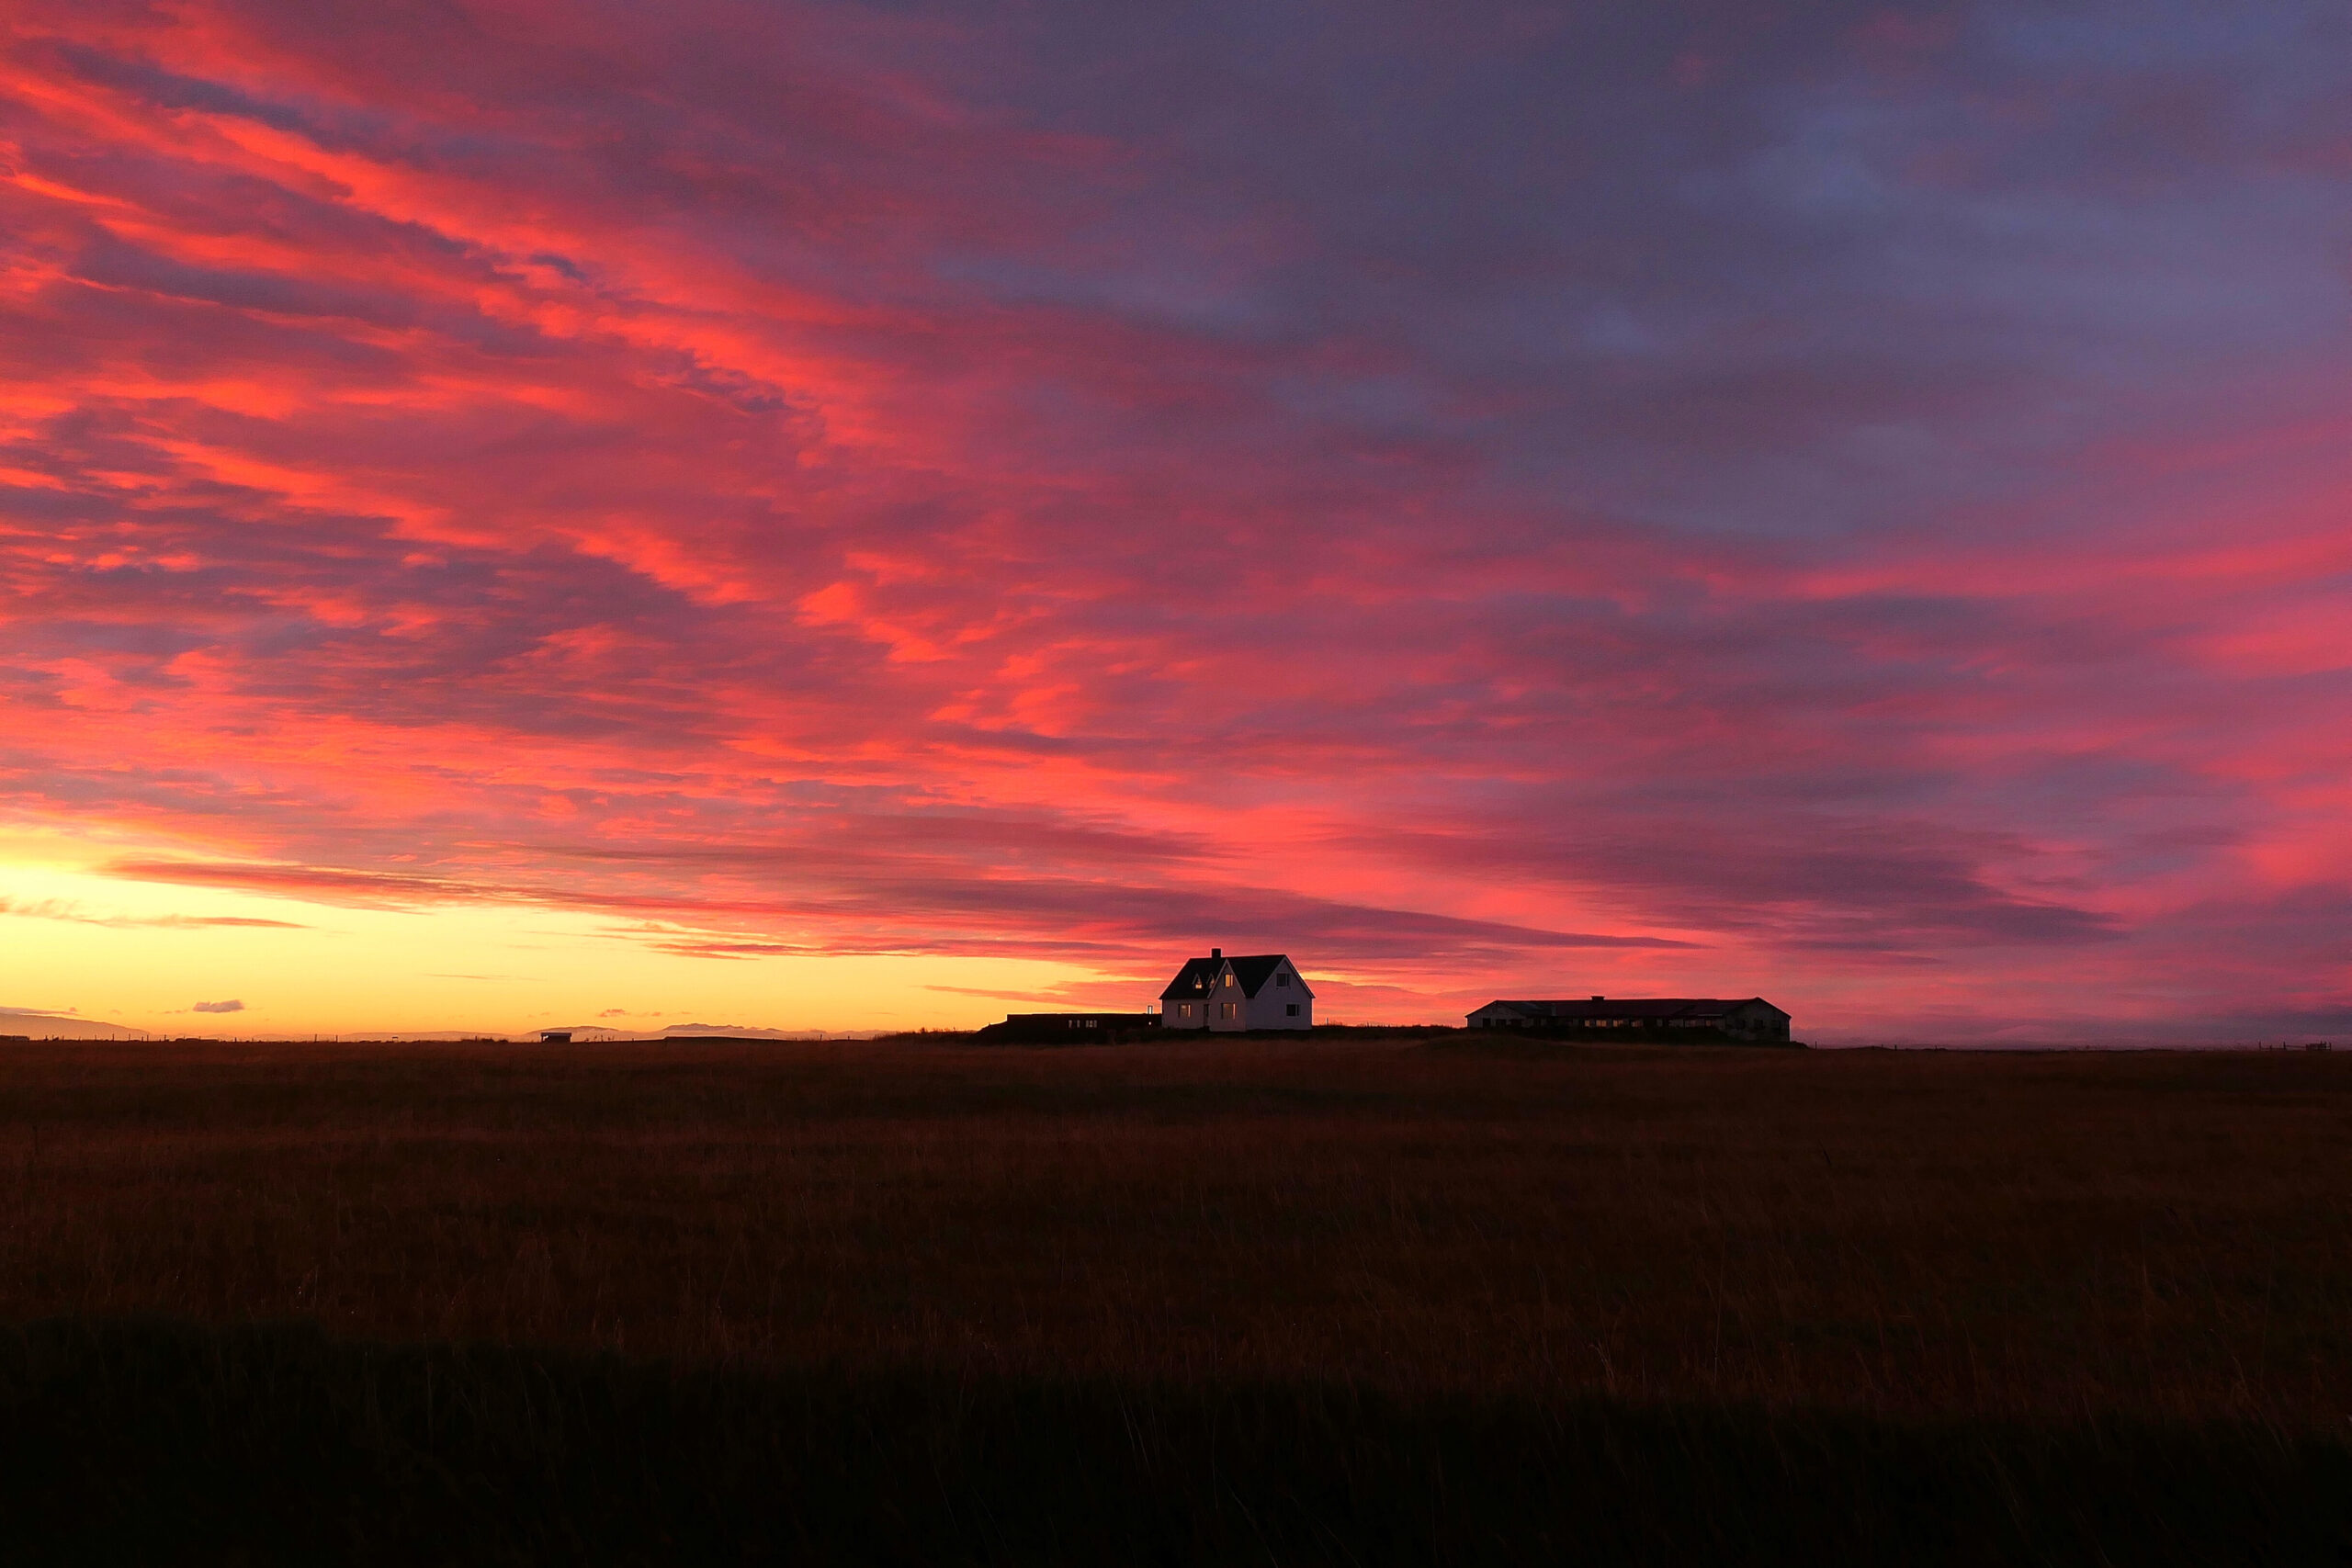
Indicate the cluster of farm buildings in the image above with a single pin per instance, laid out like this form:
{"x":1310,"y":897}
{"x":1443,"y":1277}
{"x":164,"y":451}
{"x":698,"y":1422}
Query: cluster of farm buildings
{"x":1266,"y":991}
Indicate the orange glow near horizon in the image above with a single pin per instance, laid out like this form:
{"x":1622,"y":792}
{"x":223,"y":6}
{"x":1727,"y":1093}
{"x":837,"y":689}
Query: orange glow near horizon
{"x":868,"y":525}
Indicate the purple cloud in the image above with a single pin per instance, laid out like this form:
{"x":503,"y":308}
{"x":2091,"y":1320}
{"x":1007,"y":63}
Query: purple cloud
{"x":1843,"y":500}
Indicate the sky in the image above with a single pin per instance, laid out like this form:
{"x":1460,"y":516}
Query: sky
{"x":829,"y":515}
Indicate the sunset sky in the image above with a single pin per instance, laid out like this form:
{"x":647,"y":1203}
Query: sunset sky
{"x":823,"y":515}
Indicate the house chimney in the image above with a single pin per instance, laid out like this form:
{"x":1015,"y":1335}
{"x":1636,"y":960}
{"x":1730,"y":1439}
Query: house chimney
{"x":1216,"y":953}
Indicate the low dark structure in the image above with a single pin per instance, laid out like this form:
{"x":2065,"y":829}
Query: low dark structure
{"x":1679,"y":1019}
{"x":1069,"y":1029}
{"x":555,"y":1037}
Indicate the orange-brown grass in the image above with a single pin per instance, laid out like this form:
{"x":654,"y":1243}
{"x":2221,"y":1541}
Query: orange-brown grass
{"x":2159,"y":1235}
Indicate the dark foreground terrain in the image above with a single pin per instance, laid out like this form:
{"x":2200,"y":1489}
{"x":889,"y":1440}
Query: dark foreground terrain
{"x":1424,"y":1299}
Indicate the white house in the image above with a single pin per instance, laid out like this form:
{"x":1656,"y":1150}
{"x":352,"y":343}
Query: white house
{"x":1233,"y":994}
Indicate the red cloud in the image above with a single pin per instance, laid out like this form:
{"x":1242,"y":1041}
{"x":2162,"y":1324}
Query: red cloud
{"x":874,"y":488}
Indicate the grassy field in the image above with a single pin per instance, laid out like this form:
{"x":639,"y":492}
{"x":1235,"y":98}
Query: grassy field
{"x":1449,"y":1299}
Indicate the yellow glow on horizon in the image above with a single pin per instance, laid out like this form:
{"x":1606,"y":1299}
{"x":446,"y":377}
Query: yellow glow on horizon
{"x":111,"y":949}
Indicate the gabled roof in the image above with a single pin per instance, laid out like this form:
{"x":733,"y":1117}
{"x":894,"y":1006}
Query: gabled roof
{"x":1649,"y":1008}
{"x":1199,"y":976}
{"x":1193,"y":980}
{"x":1255,"y":971}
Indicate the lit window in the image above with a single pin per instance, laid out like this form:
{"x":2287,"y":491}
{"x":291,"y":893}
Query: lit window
{"x":1229,"y":982}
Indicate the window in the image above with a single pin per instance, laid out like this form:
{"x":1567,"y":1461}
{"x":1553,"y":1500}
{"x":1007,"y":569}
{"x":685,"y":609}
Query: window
{"x":1291,"y":1011}
{"x":1228,"y":1010}
{"x":1183,"y":1009}
{"x":1229,"y":982}
{"x":1282,"y":979}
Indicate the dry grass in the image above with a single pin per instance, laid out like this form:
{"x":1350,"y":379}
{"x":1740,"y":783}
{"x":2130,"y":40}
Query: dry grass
{"x":2165,"y":1237}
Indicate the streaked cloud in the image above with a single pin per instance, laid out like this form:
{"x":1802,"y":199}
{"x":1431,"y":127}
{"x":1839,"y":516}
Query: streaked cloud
{"x":67,"y":910}
{"x":1847,"y":501}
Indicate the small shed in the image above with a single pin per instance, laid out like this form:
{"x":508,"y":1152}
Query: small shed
{"x":555,"y":1037}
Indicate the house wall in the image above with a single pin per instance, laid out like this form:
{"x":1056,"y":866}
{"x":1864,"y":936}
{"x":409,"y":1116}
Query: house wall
{"x":1760,"y":1019}
{"x":1172,"y":1016}
{"x":1752,"y":1021}
{"x":1228,"y":1008}
{"x":1269,"y":1008}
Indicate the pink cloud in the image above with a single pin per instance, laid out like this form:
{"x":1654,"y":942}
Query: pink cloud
{"x":874,"y":488}
{"x":68,"y":911}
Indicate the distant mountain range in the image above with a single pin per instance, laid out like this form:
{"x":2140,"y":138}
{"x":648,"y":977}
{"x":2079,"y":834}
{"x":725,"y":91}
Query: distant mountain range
{"x":705,"y":1031}
{"x":64,"y":1026}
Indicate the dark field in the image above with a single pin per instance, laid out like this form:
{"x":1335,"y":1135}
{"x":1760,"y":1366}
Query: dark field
{"x":1395,"y":1301}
